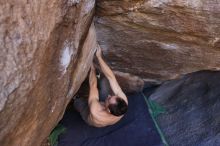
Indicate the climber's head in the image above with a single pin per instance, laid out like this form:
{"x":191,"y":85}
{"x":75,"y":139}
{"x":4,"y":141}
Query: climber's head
{"x":116,"y":105}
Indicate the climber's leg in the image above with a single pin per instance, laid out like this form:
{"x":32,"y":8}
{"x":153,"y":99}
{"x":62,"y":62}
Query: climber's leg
{"x":104,"y":88}
{"x":81,"y":105}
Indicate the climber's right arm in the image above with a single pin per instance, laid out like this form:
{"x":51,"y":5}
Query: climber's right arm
{"x":93,"y":92}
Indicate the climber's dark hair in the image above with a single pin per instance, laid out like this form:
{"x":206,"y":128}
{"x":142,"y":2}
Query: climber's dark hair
{"x":118,"y":108}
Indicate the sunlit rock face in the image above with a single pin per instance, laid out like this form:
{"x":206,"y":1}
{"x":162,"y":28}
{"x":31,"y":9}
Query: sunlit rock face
{"x":46,"y":52}
{"x":160,"y":39}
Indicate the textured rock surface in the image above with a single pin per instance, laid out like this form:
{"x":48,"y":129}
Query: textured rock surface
{"x":160,"y":39}
{"x":45,"y":56}
{"x":192,"y":103}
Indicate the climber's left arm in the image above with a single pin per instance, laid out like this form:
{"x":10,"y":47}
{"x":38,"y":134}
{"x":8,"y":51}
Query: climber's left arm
{"x":110,"y":75}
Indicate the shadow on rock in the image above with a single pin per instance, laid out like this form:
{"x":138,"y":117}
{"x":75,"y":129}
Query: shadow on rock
{"x":192,"y":103}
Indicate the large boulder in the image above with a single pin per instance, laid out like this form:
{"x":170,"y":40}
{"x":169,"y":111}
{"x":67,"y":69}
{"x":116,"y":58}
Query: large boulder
{"x":46,"y":52}
{"x":192,"y":103}
{"x":159,"y":39}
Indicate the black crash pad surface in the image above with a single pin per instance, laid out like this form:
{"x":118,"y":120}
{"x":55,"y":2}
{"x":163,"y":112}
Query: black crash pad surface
{"x":136,"y":128}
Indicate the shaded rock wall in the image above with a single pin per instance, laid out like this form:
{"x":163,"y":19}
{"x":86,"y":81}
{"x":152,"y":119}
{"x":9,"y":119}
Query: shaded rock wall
{"x":192,"y":103}
{"x":160,"y":39}
{"x":46,"y":52}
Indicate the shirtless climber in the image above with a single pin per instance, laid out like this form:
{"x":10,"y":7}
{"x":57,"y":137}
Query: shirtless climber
{"x":109,"y":110}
